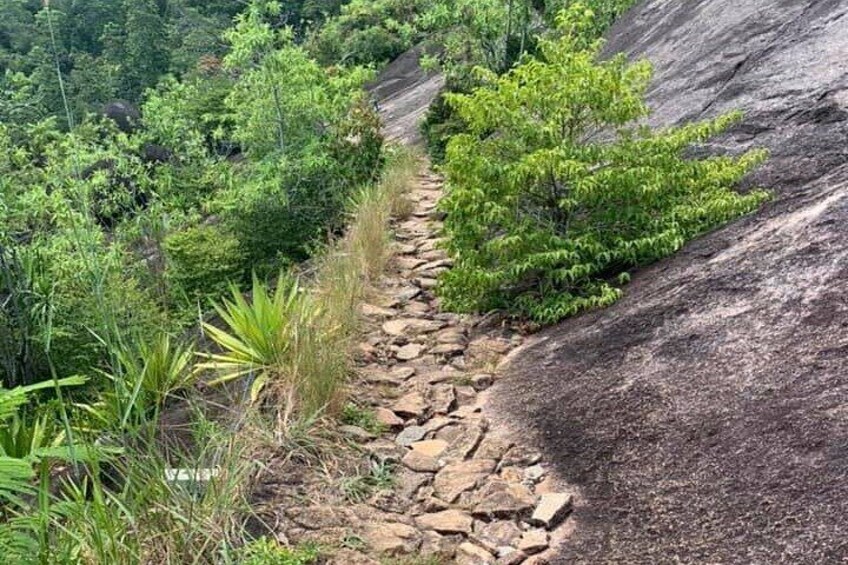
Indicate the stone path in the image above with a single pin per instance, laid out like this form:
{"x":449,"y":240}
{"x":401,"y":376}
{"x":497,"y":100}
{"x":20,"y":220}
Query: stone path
{"x":463,"y":493}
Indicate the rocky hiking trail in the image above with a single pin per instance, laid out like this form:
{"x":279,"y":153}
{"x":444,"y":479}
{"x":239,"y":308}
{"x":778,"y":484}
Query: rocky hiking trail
{"x":462,"y":492}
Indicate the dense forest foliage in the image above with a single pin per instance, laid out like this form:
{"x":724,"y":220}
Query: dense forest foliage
{"x":196,"y":193}
{"x":114,"y":49}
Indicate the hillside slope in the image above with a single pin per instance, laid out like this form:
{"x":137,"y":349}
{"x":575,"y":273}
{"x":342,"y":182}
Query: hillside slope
{"x":704,"y":417}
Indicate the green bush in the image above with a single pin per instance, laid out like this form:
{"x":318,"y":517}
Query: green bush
{"x":442,"y":123}
{"x":557,"y":190}
{"x":368,"y":32}
{"x":203,"y":261}
{"x":481,"y":36}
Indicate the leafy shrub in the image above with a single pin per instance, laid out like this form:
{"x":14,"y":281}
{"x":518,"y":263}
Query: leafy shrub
{"x":482,"y":36}
{"x":291,"y":343}
{"x":22,"y":446}
{"x":556,"y":190}
{"x":146,"y":374}
{"x":182,"y":115}
{"x":202,"y":261}
{"x":440,"y":124}
{"x":491,"y":34}
{"x":23,"y":309}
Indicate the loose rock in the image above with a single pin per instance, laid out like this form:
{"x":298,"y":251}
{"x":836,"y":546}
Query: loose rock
{"x":437,"y":264}
{"x":431,"y":448}
{"x":417,"y":461}
{"x":497,"y":534}
{"x":408,"y":483}
{"x":410,"y":435}
{"x":465,"y":395}
{"x":482,"y":381}
{"x":493,"y":448}
{"x":522,"y":456}
{"x":411,"y":326}
{"x":391,"y":538}
{"x":388,"y":418}
{"x":533,"y":541}
{"x":409,"y":351}
{"x":403,"y":373}
{"x":552,"y":510}
{"x":427,"y":283}
{"x":457,"y":478}
{"x":379,"y":377}
{"x":511,"y":557}
{"x":413,"y":405}
{"x":385,"y":450}
{"x":451,"y":335}
{"x":408,"y":263}
{"x":448,"y":349}
{"x":446,"y":522}
{"x":443,"y":398}
{"x":374,"y":311}
{"x":500,"y":499}
{"x":442,"y":548}
{"x":356,"y":433}
{"x":534,"y":474}
{"x":406,"y":294}
{"x":471,"y":554}
{"x":463,"y":439}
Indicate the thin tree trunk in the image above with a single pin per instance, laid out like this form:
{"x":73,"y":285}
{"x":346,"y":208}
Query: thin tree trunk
{"x":279,"y":109}
{"x":505,"y":61}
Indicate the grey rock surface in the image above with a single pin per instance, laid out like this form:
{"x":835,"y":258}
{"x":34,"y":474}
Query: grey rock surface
{"x":403,"y":92}
{"x":704,"y":417}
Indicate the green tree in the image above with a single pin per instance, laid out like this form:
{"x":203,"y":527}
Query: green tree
{"x":146,"y":56}
{"x":489,"y":33}
{"x":85,"y":23}
{"x":556,"y":191}
{"x":19,"y":101}
{"x":299,"y":124}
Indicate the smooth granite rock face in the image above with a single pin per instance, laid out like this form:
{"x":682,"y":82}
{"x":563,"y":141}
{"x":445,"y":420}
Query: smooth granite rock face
{"x":781,"y":62}
{"x":704,"y":416}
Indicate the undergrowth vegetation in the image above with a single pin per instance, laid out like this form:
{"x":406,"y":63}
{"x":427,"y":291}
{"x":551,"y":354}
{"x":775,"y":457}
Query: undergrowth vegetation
{"x":292,"y":344}
{"x":287,"y":346}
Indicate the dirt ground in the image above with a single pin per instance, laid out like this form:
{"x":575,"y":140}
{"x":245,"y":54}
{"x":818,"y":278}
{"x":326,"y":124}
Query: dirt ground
{"x":704,"y":417}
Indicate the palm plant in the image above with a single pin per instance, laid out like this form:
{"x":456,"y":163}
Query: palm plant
{"x":23,"y":441}
{"x":264,"y":334}
{"x":146,"y":374}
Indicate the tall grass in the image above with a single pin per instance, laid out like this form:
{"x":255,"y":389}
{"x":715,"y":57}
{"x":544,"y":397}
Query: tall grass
{"x":140,"y":516}
{"x":345,"y":273}
{"x":293,"y":343}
